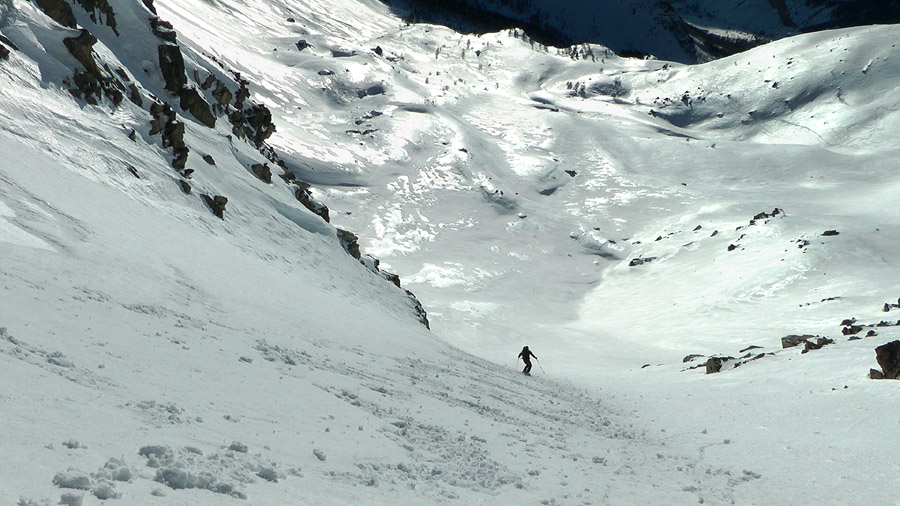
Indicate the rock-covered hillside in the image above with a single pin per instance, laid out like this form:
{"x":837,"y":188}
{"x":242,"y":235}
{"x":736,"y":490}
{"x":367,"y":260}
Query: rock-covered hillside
{"x":182,"y":105}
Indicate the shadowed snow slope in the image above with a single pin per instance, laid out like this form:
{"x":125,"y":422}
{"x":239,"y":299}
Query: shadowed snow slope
{"x":614,"y":214}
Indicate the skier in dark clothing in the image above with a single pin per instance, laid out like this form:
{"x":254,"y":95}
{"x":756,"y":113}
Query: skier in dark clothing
{"x":526,"y":355}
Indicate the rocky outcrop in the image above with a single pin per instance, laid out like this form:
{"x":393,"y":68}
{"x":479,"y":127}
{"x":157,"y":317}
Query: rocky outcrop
{"x":350,"y":242}
{"x":59,"y":11}
{"x":192,"y":101}
{"x":888,"y":357}
{"x":4,"y":43}
{"x":795,"y":340}
{"x":216,"y":204}
{"x":262,"y":171}
{"x":163,"y":30}
{"x":817,"y":344}
{"x":714,"y":364}
{"x":96,"y":82}
{"x":171,"y":64}
{"x":419,"y":310}
{"x":100,"y":9}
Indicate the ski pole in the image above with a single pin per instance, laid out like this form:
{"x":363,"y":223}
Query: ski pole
{"x":539,"y":365}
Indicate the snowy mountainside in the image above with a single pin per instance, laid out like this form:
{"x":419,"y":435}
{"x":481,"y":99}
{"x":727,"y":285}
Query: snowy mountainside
{"x":156,"y":354}
{"x":678,"y":30}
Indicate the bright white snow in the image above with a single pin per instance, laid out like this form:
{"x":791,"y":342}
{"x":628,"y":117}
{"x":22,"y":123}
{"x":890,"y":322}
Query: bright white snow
{"x":154,"y":354}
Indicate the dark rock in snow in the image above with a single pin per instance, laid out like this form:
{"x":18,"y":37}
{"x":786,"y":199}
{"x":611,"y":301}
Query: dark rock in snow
{"x":209,"y":159}
{"x":714,"y":364}
{"x":349,"y":241}
{"x":102,"y":6}
{"x":216,"y":204}
{"x":193,"y":102}
{"x":59,"y":11}
{"x":4,"y":53}
{"x":852,"y":329}
{"x":185,"y":186}
{"x":690,"y":358}
{"x":376,"y":89}
{"x":163,"y":30}
{"x":888,"y":357}
{"x":819,"y":343}
{"x":262,"y":171}
{"x":302,"y":195}
{"x":180,"y":160}
{"x":828,"y":233}
{"x":640,"y":261}
{"x":171,"y":64}
{"x":795,"y":340}
{"x":81,"y":48}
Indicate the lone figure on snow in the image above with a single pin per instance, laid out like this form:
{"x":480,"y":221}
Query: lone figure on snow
{"x":526,"y":355}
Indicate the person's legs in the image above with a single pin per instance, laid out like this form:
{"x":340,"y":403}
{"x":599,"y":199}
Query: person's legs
{"x":527,"y":369}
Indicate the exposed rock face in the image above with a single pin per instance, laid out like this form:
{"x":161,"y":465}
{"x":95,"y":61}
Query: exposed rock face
{"x":216,"y":204}
{"x":851,"y":330}
{"x":419,"y":310}
{"x":888,"y":357}
{"x":819,"y":343}
{"x":795,"y":340}
{"x":81,"y":48}
{"x":171,"y":63}
{"x":350,"y":243}
{"x":59,"y":11}
{"x":193,"y":102}
{"x":163,"y":30}
{"x":93,"y":7}
{"x":4,"y":53}
{"x":95,"y":82}
{"x":714,"y":364}
{"x":262,"y":171}
{"x":302,"y":195}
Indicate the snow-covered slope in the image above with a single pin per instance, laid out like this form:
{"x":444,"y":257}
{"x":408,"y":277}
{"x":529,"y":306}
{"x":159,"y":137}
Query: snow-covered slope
{"x":153,"y":353}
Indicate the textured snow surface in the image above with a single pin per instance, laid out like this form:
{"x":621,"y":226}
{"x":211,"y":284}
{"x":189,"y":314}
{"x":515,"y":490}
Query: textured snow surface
{"x":152,"y":353}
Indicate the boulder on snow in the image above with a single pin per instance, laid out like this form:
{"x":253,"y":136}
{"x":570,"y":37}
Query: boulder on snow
{"x":795,"y":340}
{"x":192,"y":102}
{"x":216,"y":204}
{"x":888,"y":357}
{"x":171,"y":64}
{"x":262,"y":171}
{"x":819,"y":343}
{"x":690,"y":358}
{"x":714,"y":364}
{"x":851,"y":330}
